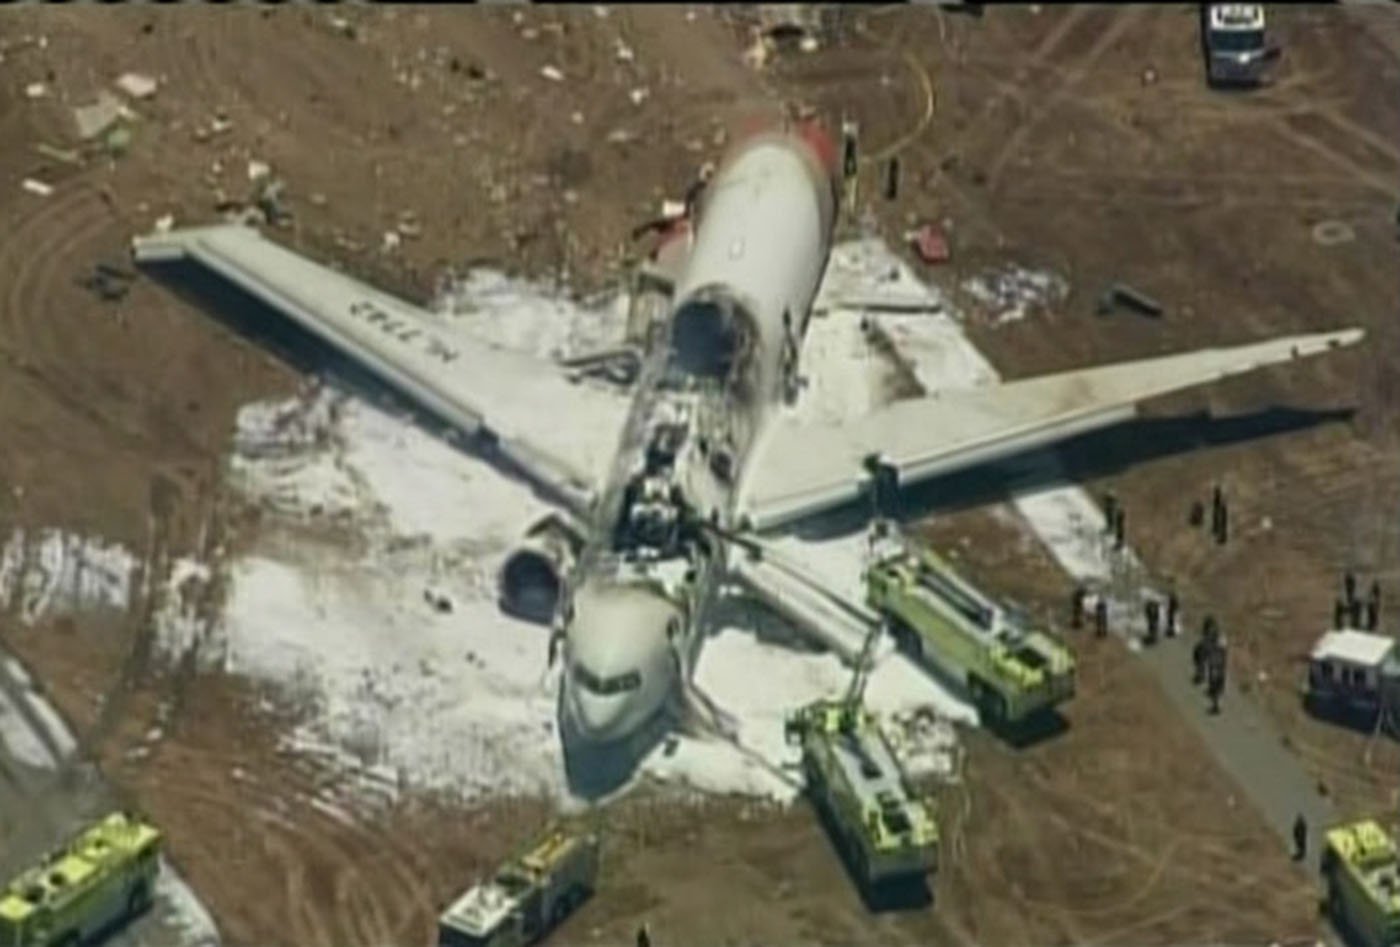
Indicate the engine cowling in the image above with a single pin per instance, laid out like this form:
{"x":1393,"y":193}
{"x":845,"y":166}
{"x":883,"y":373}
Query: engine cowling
{"x":533,"y":576}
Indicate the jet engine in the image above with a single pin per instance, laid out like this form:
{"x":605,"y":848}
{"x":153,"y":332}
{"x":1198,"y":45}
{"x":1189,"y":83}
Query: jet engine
{"x":532,"y":578}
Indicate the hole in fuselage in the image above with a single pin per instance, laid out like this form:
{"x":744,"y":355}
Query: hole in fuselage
{"x":707,"y":337}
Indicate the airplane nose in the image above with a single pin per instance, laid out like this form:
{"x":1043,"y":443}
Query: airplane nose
{"x":598,"y":718}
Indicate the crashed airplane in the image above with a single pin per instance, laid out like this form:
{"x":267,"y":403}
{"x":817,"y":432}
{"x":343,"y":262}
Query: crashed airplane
{"x":706,"y":456}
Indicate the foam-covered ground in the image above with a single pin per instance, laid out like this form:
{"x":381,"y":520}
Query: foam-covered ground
{"x":404,"y":694}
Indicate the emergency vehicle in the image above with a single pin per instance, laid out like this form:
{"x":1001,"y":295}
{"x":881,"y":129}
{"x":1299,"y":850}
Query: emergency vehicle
{"x":528,"y":896}
{"x":1361,"y":873}
{"x":103,"y":877}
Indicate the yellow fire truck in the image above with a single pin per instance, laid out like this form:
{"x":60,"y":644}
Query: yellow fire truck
{"x":102,"y":877}
{"x":1362,"y":873}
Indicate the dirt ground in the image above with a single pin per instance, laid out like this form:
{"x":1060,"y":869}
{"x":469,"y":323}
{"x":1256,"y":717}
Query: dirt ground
{"x":1045,"y":143}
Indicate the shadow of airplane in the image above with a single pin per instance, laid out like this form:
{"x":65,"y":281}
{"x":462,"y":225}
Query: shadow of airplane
{"x":264,"y":326}
{"x":1088,"y":456}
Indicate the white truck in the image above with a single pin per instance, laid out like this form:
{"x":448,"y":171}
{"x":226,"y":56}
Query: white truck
{"x":530,"y":895}
{"x":1354,"y":673}
{"x":1235,"y":47}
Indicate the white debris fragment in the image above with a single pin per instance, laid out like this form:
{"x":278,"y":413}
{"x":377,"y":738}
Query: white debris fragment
{"x":1013,"y":291}
{"x":92,"y":120}
{"x":639,"y":95}
{"x":552,"y":74}
{"x":257,"y":170}
{"x":624,"y":52}
{"x":36,"y":90}
{"x":809,"y":44}
{"x":165,"y":223}
{"x":391,"y":241}
{"x":36,"y":187}
{"x":136,"y":85}
{"x":576,"y":118}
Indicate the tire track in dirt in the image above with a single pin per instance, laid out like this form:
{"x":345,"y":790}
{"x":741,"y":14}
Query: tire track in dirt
{"x":374,"y":879}
{"x":1124,"y":20}
{"x":1302,"y":130}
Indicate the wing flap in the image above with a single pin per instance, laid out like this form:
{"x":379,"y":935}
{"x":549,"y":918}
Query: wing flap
{"x":562,"y":432}
{"x":802,"y":468}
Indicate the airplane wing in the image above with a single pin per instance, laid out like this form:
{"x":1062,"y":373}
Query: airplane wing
{"x":560,"y":432}
{"x":803,"y":468}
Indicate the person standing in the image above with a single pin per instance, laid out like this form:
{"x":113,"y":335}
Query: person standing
{"x":1300,"y":838}
{"x":1152,"y":610}
{"x":1076,"y":607}
{"x":1101,"y":617}
{"x":1120,"y":527}
{"x":1172,"y":607}
{"x":1373,"y":606}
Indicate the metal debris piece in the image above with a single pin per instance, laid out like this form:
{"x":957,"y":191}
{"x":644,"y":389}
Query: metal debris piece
{"x":269,"y":200}
{"x":92,"y":120}
{"x":36,"y":90}
{"x":1123,"y":294}
{"x":59,"y":154}
{"x":136,"y":85}
{"x":257,"y":170}
{"x":931,"y":244}
{"x":117,"y":140}
{"x":624,"y":52}
{"x":638,"y":96}
{"x":552,"y":74}
{"x":37,"y":187}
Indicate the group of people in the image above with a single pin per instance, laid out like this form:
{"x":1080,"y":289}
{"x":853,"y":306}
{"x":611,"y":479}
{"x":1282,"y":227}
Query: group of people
{"x":1350,"y":612}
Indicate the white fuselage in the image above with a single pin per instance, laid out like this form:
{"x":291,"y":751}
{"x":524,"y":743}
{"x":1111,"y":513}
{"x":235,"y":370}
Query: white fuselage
{"x":740,"y":307}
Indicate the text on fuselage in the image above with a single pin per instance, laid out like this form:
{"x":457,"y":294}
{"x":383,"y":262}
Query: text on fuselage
{"x":366,"y":311}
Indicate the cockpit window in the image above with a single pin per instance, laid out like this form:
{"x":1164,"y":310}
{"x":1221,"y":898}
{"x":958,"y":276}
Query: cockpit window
{"x":620,"y":684}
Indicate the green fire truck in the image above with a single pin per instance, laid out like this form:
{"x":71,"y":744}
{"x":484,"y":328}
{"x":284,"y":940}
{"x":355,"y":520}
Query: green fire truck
{"x":854,"y":778}
{"x":1361,"y":872}
{"x":102,"y":877}
{"x":1010,"y":670}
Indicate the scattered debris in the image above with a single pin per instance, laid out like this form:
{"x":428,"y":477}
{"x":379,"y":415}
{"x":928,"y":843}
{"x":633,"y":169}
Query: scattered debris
{"x":638,"y":96}
{"x":624,"y":52}
{"x":552,"y":74}
{"x":576,"y":118}
{"x":268,"y":200}
{"x":37,"y":187}
{"x":1149,"y":76}
{"x":117,"y":140}
{"x":318,"y":199}
{"x":1121,"y":293}
{"x":92,"y":120}
{"x":756,"y":56}
{"x":391,"y":241}
{"x":62,"y":155}
{"x":440,"y":602}
{"x":257,"y":170}
{"x":930,"y":243}
{"x":344,"y":27}
{"x":165,"y":224}
{"x":1329,"y":233}
{"x":1011,"y":292}
{"x":137,"y":85}
{"x":110,"y":283}
{"x":621,"y":136}
{"x":36,"y":90}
